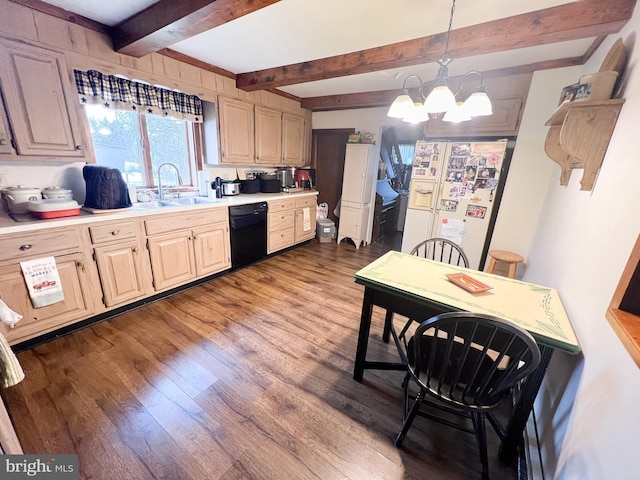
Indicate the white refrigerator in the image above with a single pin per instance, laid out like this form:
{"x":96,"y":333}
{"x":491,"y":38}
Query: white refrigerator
{"x":452,"y":194}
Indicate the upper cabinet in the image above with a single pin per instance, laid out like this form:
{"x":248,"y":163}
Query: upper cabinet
{"x":236,"y":131}
{"x":268,"y":136}
{"x":40,"y":103}
{"x":279,"y":138}
{"x":5,"y":133}
{"x":508,"y":96}
{"x":292,"y":140}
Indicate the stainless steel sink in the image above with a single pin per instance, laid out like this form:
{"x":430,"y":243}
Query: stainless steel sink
{"x":154,"y":204}
{"x":192,"y":201}
{"x":175,"y":202}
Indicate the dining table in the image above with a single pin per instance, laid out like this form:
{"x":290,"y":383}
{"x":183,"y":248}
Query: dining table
{"x":419,"y":288}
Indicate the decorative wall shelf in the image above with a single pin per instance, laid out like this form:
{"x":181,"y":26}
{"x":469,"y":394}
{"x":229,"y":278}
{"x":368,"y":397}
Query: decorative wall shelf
{"x":579,"y":135}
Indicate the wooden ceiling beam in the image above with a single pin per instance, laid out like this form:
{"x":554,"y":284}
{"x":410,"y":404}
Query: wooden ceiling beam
{"x":384,"y":98}
{"x":587,"y":18}
{"x":168,"y":22}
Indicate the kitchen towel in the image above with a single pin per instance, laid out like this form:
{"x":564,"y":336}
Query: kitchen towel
{"x":7,"y":315}
{"x":306,"y":219}
{"x":10,"y":370}
{"x":43,"y":281}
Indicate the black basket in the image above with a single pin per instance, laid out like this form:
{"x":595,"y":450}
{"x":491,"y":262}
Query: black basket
{"x":269,"y":186}
{"x":250,"y":186}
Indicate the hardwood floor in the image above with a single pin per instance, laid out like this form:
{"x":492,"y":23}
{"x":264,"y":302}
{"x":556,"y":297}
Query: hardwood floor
{"x":245,"y":376}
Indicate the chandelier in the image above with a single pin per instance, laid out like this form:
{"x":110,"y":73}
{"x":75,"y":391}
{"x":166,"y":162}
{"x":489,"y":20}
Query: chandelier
{"x":441,"y":99}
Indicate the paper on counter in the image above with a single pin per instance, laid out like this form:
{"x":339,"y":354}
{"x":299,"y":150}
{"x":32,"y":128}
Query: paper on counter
{"x":43,"y":281}
{"x":453,"y":229}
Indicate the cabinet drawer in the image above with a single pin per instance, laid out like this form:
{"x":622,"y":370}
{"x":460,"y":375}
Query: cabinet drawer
{"x":114,"y":231}
{"x":279,"y":205}
{"x":280,"y":220}
{"x":192,"y":219}
{"x":306,"y":202}
{"x":280,"y":239}
{"x":41,"y":242}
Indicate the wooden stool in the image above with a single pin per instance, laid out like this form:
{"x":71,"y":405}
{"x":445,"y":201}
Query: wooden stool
{"x":513,"y":259}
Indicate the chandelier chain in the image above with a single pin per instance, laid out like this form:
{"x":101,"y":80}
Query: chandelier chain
{"x":453,"y":9}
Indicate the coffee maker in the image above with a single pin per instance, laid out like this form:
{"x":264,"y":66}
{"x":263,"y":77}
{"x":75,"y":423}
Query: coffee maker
{"x":286,"y":175}
{"x":303,"y":178}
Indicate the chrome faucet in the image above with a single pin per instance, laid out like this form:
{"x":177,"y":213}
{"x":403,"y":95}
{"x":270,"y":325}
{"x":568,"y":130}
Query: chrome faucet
{"x":160,"y":187}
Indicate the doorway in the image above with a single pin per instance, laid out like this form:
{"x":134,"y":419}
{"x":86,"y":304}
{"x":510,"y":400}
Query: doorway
{"x":327,"y":157}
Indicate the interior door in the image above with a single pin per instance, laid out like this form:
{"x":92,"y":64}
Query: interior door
{"x":327,"y":157}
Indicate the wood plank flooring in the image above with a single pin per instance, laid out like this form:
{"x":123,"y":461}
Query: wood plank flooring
{"x":247,"y":376}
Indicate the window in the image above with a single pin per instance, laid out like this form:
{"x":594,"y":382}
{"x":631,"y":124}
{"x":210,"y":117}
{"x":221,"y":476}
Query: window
{"x":406,"y":152}
{"x":138,"y":144}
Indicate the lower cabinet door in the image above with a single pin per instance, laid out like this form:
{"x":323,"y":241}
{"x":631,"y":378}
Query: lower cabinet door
{"x":120,"y":273}
{"x":301,"y":234}
{"x":77,"y":301}
{"x":212,"y":250}
{"x":171,"y":260}
{"x":350,"y":223}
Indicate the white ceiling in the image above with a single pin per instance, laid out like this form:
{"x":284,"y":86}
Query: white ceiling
{"x":292,"y":31}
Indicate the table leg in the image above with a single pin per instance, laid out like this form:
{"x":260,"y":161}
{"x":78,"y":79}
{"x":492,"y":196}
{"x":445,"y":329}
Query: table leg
{"x":518,"y":421}
{"x":363,"y":334}
{"x":388,"y":318}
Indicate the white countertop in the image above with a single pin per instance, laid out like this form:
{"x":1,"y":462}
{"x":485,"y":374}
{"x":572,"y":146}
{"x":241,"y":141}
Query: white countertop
{"x":8,"y":225}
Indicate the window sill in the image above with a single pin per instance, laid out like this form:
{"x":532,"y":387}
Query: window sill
{"x":627,"y":327}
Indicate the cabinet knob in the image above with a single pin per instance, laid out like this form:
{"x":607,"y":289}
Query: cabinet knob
{"x":134,"y":249}
{"x":78,"y":147}
{"x":25,"y":247}
{"x":3,"y":142}
{"x":115,"y":232}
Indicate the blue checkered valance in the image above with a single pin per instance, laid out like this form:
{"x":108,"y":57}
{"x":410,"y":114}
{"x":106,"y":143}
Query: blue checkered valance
{"x":123,"y":94}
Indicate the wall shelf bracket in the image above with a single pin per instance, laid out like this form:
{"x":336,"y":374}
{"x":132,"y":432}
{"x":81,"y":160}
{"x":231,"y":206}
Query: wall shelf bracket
{"x":579,"y":137}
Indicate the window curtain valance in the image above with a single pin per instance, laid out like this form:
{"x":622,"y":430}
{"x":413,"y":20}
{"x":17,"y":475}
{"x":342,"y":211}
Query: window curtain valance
{"x":120,"y":93}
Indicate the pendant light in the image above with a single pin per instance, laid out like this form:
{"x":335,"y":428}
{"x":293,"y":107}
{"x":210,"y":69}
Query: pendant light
{"x":403,"y":105}
{"x":441,"y":99}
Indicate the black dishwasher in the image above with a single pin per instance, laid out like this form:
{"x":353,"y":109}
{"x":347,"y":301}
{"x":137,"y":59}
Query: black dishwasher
{"x":248,"y":232}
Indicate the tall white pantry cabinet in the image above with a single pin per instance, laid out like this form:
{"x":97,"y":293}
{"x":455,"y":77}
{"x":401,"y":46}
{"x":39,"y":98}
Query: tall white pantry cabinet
{"x":358,"y":194}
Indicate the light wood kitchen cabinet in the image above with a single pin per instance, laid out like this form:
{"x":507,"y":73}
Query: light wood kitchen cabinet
{"x":236,"y":131}
{"x":120,"y":272}
{"x":172,"y":260}
{"x":211,"y":249}
{"x":292,"y":140}
{"x":117,"y":253}
{"x":77,"y":303}
{"x":5,"y":132}
{"x":268,"y":136}
{"x":279,"y":138}
{"x":505,"y":120}
{"x":40,"y":101}
{"x":280,"y":224}
{"x":306,"y":142}
{"x":305,"y":219}
{"x":197,"y":245}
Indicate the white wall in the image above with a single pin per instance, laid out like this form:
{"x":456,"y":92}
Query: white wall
{"x":531,"y":169}
{"x":588,"y":407}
